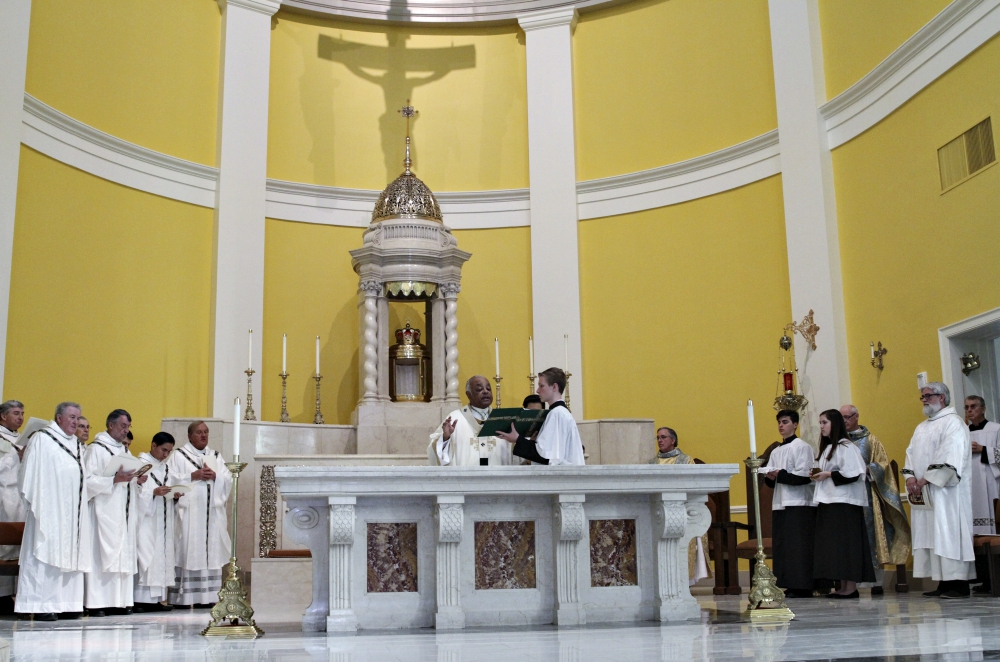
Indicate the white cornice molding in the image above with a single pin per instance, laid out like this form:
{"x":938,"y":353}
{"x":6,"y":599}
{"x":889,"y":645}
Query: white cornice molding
{"x":440,"y":11}
{"x":266,"y":7}
{"x":960,"y":28}
{"x":74,"y":143}
{"x":551,"y":18}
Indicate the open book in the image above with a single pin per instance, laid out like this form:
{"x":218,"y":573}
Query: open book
{"x":526,"y":421}
{"x":126,"y":462}
{"x":33,"y":426}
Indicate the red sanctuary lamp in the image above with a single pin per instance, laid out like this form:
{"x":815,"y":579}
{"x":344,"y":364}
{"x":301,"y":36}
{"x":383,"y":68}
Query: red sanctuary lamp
{"x":786,"y":396}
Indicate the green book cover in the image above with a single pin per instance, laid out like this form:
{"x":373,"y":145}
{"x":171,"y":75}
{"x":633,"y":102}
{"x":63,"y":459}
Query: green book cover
{"x":526,"y":421}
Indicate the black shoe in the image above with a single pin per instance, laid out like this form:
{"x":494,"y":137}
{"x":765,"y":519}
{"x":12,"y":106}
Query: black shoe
{"x":877,"y":590}
{"x":46,"y":617}
{"x":70,"y":615}
{"x":798,"y":593}
{"x":95,"y":613}
{"x":983,"y":590}
{"x":954,"y":595}
{"x":849,"y":596}
{"x":7,"y":605}
{"x":206,"y":605}
{"x":936,"y":593}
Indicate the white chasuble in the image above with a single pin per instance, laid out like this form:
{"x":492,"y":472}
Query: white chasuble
{"x":464,"y":448}
{"x":155,"y":535}
{"x":940,"y":452}
{"x":56,"y":549}
{"x":985,"y":478}
{"x":559,"y":440}
{"x":114,"y":514}
{"x":11,"y":505}
{"x":202,"y":540}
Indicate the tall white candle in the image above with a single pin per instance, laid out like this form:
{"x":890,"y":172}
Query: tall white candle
{"x":566,"y":352}
{"x":250,"y":350}
{"x":531,"y":355}
{"x":496,"y":348}
{"x":284,"y":353}
{"x":873,"y":350}
{"x":317,"y":355}
{"x":236,"y":430}
{"x":753,"y":429}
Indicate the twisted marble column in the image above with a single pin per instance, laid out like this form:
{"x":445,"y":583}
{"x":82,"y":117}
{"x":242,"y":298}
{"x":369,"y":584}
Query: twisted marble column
{"x":371,"y":291}
{"x":450,"y":291}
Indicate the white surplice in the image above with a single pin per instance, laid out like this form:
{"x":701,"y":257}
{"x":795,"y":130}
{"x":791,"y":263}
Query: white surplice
{"x":985,"y":478}
{"x":940,"y":452}
{"x":464,"y":448}
{"x":11,"y":505}
{"x":201,"y":543}
{"x":155,"y":537}
{"x":114,"y":513}
{"x":56,"y":549}
{"x":559,"y":440}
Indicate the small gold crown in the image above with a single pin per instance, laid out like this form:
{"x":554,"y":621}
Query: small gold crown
{"x":408,"y":335}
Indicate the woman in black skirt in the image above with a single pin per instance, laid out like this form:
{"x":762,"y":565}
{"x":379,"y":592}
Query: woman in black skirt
{"x":841,"y":552}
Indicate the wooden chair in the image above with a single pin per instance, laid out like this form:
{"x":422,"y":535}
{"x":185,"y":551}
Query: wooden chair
{"x":989,"y":546}
{"x":748,"y":548}
{"x":722,"y":544}
{"x":901,"y":585}
{"x":11,"y":533}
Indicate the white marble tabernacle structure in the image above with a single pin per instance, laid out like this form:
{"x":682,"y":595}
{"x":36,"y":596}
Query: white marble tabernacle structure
{"x":400,"y":547}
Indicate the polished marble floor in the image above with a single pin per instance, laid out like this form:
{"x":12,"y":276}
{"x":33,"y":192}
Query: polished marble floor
{"x":903,"y":628}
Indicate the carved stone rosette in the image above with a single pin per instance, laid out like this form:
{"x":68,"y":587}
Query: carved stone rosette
{"x":268,"y":510}
{"x":304,"y":525}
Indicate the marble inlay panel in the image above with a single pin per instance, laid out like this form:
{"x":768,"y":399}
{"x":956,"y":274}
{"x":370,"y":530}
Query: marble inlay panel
{"x":613,"y":559}
{"x":392,"y":557}
{"x":505,"y":555}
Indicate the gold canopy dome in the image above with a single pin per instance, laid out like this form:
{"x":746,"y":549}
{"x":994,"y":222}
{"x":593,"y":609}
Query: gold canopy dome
{"x":407,"y":196}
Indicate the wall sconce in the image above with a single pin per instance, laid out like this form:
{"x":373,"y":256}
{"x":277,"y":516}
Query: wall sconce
{"x":877,"y":355}
{"x":970,"y":363}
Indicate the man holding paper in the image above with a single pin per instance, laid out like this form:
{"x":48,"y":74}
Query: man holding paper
{"x":202,"y":543}
{"x":114,"y":513}
{"x":456,"y":442}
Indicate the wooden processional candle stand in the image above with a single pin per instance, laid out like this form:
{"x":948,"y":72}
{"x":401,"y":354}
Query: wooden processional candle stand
{"x":233,"y":605}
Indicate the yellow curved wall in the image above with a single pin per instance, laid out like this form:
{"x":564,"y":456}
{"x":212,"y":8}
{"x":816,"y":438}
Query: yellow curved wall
{"x":335,"y":89}
{"x":682,"y":308}
{"x":660,"y":81}
{"x":858,"y":34}
{"x":310,"y":288}
{"x":110,"y":299}
{"x":146,"y":72}
{"x":915,"y":260}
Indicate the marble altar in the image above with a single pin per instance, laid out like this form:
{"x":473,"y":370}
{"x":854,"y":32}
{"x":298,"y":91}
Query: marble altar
{"x":537,"y":519}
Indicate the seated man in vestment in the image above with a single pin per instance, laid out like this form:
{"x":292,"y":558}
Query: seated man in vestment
{"x":669,"y":453}
{"x":558,"y":440}
{"x":885,"y":519}
{"x":455,"y":442}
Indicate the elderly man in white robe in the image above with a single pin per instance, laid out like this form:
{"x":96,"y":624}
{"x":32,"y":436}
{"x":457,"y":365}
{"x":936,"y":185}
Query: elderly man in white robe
{"x":938,"y":467}
{"x":11,"y":505}
{"x":985,"y":437}
{"x":55,"y":550}
{"x":455,"y":443}
{"x":558,"y":441}
{"x":114,"y":514}
{"x":155,"y":544}
{"x":201,"y":542}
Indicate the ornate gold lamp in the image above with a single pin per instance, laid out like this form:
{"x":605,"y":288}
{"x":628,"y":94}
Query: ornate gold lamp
{"x":787,"y":395}
{"x":409,"y":367}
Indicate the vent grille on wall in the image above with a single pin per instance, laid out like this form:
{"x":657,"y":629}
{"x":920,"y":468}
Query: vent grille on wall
{"x":966,"y":155}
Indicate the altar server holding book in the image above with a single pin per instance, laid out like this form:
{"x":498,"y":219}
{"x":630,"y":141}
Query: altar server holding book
{"x":842,"y":551}
{"x":558,"y":442}
{"x":155,"y":544}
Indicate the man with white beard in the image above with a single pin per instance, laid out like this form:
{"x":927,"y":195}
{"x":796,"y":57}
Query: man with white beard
{"x":114,"y":514}
{"x":55,"y":550}
{"x":155,"y":545}
{"x":456,"y":442}
{"x":939,"y":458}
{"x":202,"y":543}
{"x":11,"y":505}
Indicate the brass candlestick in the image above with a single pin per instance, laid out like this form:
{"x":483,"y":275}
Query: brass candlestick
{"x":531,"y":379}
{"x":566,"y":394}
{"x":284,"y":397}
{"x":249,"y":414}
{"x":767,"y":601}
{"x":498,"y":379}
{"x":233,"y":605}
{"x":318,"y":418}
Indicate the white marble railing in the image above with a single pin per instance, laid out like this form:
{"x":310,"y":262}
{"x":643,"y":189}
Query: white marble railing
{"x":450,"y":547}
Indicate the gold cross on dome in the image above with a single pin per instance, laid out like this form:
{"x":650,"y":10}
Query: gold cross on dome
{"x":407,"y":111}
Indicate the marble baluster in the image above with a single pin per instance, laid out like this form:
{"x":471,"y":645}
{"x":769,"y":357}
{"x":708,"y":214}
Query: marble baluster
{"x":675,"y":521}
{"x":369,"y":363}
{"x":342,"y":617}
{"x":449,"y":521}
{"x":305,"y":525}
{"x":450,"y":291}
{"x":569,"y":527}
{"x":437,"y":346}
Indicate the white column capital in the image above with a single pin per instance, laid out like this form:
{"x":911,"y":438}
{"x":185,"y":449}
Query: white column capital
{"x":267,"y":7}
{"x":548,"y":19}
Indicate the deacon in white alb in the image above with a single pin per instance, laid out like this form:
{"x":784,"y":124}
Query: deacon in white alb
{"x":202,"y":543}
{"x":55,"y":550}
{"x":114,"y":513}
{"x":985,"y":437}
{"x":155,"y":545}
{"x":558,"y":442}
{"x":939,"y":457}
{"x":455,"y":442}
{"x":11,"y":505}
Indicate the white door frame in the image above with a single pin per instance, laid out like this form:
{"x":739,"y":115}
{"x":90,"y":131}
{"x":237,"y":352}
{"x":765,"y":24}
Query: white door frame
{"x":951,"y":364}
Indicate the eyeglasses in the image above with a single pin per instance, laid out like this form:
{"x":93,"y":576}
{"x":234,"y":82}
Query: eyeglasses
{"x":928,"y":396}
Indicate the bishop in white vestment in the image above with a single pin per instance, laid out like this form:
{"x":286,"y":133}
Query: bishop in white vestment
{"x":55,"y":550}
{"x":939,"y":458}
{"x":456,"y":442}
{"x":985,"y":437}
{"x":11,"y":505}
{"x":558,"y":441}
{"x":155,"y":544}
{"x":114,"y":513}
{"x":202,"y":543}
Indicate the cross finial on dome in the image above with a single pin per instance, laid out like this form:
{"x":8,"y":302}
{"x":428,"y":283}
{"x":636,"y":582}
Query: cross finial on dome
{"x":407,"y":111}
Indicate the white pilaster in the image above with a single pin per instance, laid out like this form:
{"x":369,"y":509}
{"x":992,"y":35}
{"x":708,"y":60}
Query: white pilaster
{"x":15,"y":19}
{"x":449,"y":520}
{"x":555,"y":270}
{"x":570,"y":522}
{"x":810,"y":203}
{"x":238,"y":299}
{"x":341,"y":617}
{"x":671,"y":534}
